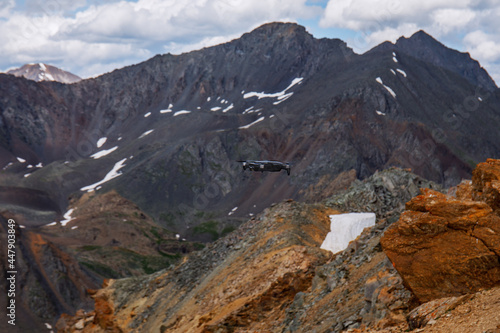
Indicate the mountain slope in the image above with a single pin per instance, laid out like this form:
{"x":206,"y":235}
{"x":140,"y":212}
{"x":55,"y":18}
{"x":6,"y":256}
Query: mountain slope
{"x":274,"y":93}
{"x":164,"y":135}
{"x":271,"y":275}
{"x":43,"y":72}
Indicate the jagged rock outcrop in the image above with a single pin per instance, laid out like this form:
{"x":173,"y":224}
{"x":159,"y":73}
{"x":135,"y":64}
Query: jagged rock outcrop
{"x":445,"y":246}
{"x":270,"y":275}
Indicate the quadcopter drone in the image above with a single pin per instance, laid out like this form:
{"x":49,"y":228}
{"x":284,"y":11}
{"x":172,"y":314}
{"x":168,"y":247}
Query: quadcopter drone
{"x":272,"y":166}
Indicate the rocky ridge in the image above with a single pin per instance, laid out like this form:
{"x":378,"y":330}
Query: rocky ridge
{"x":269,"y":275}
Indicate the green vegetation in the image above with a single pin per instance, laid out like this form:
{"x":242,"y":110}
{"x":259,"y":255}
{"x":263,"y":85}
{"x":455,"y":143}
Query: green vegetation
{"x":209,"y":227}
{"x":103,"y":270}
{"x":227,"y":230}
{"x":89,"y":248}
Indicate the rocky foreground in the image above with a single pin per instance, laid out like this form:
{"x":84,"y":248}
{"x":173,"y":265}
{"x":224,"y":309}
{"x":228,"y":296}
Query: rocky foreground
{"x":433,"y":268}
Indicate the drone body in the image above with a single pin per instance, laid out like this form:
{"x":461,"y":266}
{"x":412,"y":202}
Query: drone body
{"x":272,"y":166}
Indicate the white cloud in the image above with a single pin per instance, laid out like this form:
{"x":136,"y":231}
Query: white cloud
{"x":89,"y":37}
{"x":375,"y":21}
{"x":85,"y":35}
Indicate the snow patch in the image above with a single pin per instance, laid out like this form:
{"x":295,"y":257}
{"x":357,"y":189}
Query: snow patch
{"x":280,"y":95}
{"x":42,"y":66}
{"x":393,"y":72}
{"x":101,"y":141}
{"x":208,"y":99}
{"x":216,"y":108}
{"x":29,"y":166}
{"x":345,"y":228}
{"x":181,"y":112}
{"x":251,"y":124}
{"x":146,"y":133}
{"x":233,"y":210}
{"x":67,"y":217}
{"x":8,"y":165}
{"x":380,"y":113}
{"x":110,"y":175}
{"x":228,"y":108}
{"x":402,"y":72}
{"x":147,"y":114}
{"x":394,"y":59}
{"x":27,"y":175}
{"x":51,"y":224}
{"x":169,"y":109}
{"x":379,"y":80}
{"x":22,"y":160}
{"x":104,"y":152}
{"x":479,"y":99}
{"x":39,"y":165}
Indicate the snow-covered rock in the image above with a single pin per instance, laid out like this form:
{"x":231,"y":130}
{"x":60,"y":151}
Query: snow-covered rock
{"x":345,"y":228}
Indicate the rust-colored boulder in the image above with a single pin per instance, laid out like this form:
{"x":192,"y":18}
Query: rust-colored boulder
{"x":486,"y":183}
{"x":444,"y":246}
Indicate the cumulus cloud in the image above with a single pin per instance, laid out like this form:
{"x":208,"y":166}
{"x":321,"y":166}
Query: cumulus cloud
{"x":376,"y":21}
{"x":89,"y":37}
{"x":78,"y":35}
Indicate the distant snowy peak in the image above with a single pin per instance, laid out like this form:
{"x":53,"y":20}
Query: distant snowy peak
{"x":43,"y":72}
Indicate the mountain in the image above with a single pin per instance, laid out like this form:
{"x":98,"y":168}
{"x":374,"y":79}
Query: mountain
{"x":43,"y":72}
{"x":160,"y":140}
{"x":271,"y":275}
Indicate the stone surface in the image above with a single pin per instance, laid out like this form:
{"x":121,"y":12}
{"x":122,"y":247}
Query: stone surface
{"x":431,"y":311}
{"x":443,"y":246}
{"x":486,"y":183}
{"x":269,"y":275}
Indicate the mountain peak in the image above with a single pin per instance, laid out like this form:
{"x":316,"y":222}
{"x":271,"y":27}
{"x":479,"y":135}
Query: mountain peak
{"x":420,"y":39}
{"x":423,"y":46}
{"x":43,"y":72}
{"x":278,"y":29}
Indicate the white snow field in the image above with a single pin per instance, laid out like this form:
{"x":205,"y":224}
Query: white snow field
{"x":345,"y":228}
{"x":104,"y":152}
{"x":110,"y":175}
{"x":281,"y":96}
{"x":181,"y":112}
{"x":379,"y":80}
{"x":67,"y":217}
{"x":101,"y":141}
{"x":253,"y":123}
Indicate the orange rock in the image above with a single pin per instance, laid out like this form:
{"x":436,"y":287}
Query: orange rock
{"x":443,"y":246}
{"x":486,"y":183}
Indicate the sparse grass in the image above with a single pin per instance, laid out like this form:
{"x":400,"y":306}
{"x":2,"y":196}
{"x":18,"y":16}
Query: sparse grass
{"x":89,"y":248}
{"x":227,"y":230}
{"x":209,"y":227}
{"x":103,"y":270}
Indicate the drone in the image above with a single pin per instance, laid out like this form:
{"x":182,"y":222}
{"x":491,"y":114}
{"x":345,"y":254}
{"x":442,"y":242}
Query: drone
{"x":272,"y":166}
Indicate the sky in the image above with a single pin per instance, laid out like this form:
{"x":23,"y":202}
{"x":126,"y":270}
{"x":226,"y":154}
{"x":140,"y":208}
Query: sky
{"x":90,"y":37}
